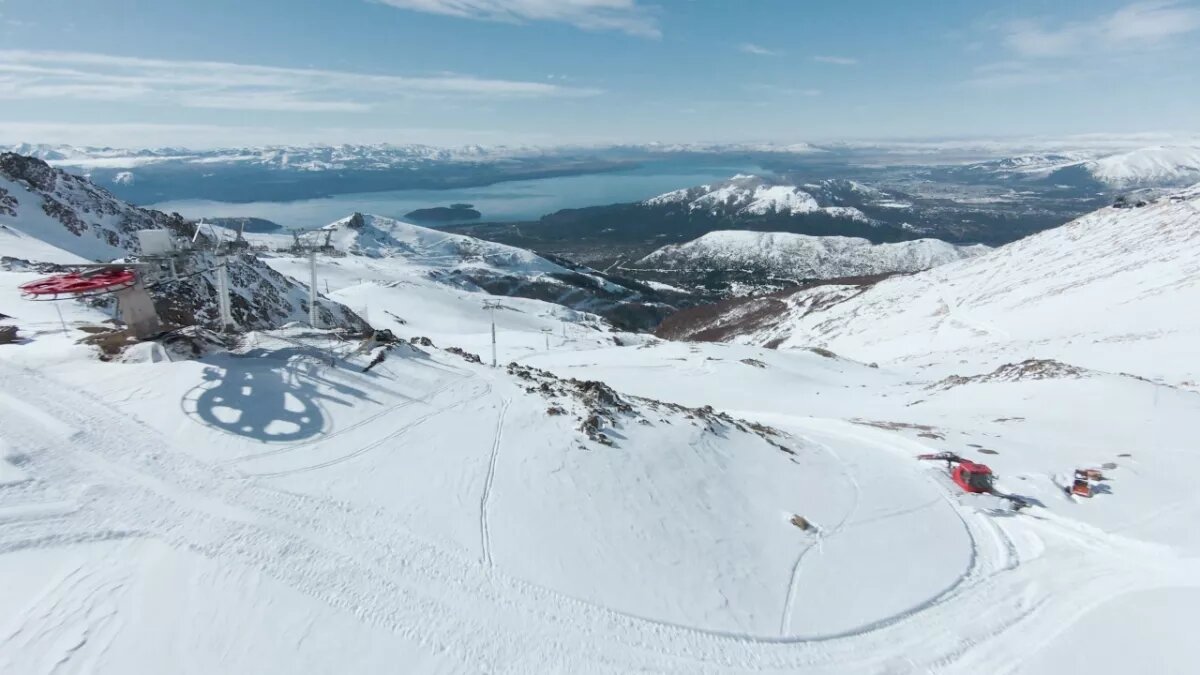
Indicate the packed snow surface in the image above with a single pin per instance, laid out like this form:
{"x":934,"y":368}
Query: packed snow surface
{"x":285,"y":506}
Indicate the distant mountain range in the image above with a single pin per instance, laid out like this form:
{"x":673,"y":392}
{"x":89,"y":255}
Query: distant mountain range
{"x":283,"y":173}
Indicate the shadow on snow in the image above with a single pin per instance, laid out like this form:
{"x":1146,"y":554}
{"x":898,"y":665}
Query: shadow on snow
{"x":274,"y":396}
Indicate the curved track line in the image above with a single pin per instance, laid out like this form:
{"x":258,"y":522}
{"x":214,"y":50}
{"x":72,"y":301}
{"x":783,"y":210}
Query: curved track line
{"x":485,"y":533}
{"x":785,"y":622}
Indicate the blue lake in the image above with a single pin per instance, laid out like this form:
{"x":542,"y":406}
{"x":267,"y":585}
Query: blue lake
{"x":514,"y":200}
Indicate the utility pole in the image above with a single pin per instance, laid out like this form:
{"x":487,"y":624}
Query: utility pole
{"x":492,"y":306}
{"x":312,"y":288}
{"x":546,"y":332}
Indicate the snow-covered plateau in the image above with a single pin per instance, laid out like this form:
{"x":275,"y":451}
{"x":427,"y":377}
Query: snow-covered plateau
{"x":295,"y":499}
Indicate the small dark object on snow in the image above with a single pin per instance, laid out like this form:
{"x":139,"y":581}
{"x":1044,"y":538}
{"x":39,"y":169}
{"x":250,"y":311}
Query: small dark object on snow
{"x":421,"y":341}
{"x":555,"y":410}
{"x":385,"y":336}
{"x":801,"y":522}
{"x":467,"y":356}
{"x":379,"y":358}
{"x":8,"y":335}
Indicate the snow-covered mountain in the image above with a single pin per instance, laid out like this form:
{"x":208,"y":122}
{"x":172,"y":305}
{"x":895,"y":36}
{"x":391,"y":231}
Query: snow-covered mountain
{"x":787,"y":256}
{"x":475,"y":264}
{"x":748,"y":195}
{"x":1106,"y":291}
{"x":52,"y":216}
{"x":1156,"y":166}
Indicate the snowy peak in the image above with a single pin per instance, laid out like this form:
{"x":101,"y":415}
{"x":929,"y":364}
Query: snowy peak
{"x":748,"y":195}
{"x":478,"y":265}
{"x":380,"y":237}
{"x":1156,"y":166}
{"x":798,"y":256}
{"x":71,"y":213}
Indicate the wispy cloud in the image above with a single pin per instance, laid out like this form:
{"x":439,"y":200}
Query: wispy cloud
{"x":202,"y":84}
{"x":1007,"y":74}
{"x":758,"y":50}
{"x":836,"y":60}
{"x":1140,"y":26}
{"x":1042,"y":52}
{"x":626,"y":16}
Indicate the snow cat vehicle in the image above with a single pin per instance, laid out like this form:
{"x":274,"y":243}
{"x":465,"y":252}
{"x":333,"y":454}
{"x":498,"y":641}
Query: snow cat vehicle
{"x":973,"y":477}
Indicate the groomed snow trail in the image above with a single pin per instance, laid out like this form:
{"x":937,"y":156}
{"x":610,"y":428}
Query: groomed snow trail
{"x":131,"y":483}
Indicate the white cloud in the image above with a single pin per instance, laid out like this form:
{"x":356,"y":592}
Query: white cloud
{"x":1136,"y":27}
{"x":202,"y":84}
{"x":751,"y":48}
{"x":836,"y":60}
{"x":207,"y":136}
{"x":626,"y":16}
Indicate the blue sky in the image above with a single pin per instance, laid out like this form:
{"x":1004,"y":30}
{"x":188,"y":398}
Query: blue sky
{"x":450,"y":72}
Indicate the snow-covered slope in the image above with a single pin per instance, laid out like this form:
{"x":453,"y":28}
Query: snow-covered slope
{"x":1156,"y":166}
{"x":746,"y":195}
{"x":797,"y":256}
{"x":48,"y":215}
{"x":474,"y":264}
{"x":1111,"y":290}
{"x":70,"y":213}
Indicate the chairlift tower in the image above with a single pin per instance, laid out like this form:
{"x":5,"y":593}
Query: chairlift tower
{"x":312,"y":249}
{"x":159,"y":246}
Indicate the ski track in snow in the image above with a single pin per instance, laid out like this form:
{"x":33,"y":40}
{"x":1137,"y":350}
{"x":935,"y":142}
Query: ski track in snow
{"x":359,"y":560}
{"x":785,"y":623}
{"x":485,"y":533}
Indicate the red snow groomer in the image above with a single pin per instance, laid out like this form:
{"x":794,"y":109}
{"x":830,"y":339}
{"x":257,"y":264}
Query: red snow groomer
{"x":972,"y":477}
